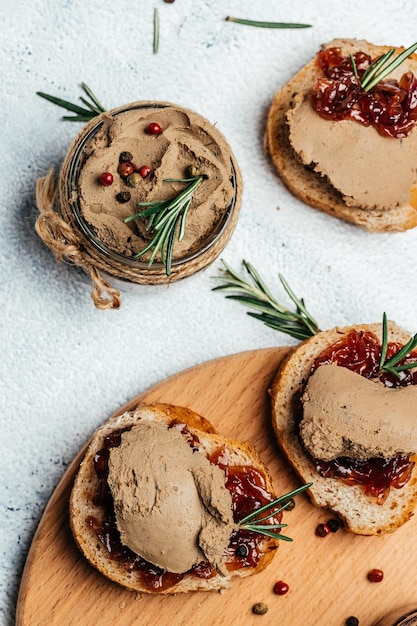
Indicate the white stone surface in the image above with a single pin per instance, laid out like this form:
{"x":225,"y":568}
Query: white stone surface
{"x":66,"y":366}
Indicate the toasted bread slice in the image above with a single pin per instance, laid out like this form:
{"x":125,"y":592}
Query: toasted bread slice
{"x":310,"y":186}
{"x":86,"y":488}
{"x":360,"y":513}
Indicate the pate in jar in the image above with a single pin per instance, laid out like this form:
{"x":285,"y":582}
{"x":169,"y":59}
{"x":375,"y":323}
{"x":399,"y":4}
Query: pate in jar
{"x":149,"y":193}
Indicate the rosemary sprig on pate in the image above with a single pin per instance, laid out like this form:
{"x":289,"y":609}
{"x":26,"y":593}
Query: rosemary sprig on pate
{"x":257,"y":524}
{"x":94,"y":107}
{"x":255,"y":294}
{"x":391,"y":366}
{"x":165,"y":218}
{"x":378,"y":69}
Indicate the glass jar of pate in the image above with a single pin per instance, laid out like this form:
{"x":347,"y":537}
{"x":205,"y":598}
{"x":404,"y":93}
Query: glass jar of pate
{"x":141,"y":157}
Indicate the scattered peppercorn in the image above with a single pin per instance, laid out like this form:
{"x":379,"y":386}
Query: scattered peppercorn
{"x":352,"y":621}
{"x":125,"y":156}
{"x":126,"y":168}
{"x":169,"y":1}
{"x":375,"y":575}
{"x":281,"y":588}
{"x":134,"y":179}
{"x":123,"y":196}
{"x":242,"y":550}
{"x":333,"y":525}
{"x":260,"y":608}
{"x":106,"y":179}
{"x":193,"y":171}
{"x":290,"y":505}
{"x":154,"y":129}
{"x":322,"y":530}
{"x":145,"y":170}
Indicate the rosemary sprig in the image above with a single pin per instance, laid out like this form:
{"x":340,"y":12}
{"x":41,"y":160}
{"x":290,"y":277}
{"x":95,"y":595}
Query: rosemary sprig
{"x":378,"y":69}
{"x":94,"y":107}
{"x":256,"y":524}
{"x":155,"y":30}
{"x":299,"y":323}
{"x":391,"y":366}
{"x":355,"y":69}
{"x":238,"y":20}
{"x":164,"y":218}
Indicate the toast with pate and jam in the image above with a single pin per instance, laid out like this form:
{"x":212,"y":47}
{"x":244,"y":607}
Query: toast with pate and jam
{"x":158,"y":499}
{"x":345,"y":149}
{"x":349,"y":426}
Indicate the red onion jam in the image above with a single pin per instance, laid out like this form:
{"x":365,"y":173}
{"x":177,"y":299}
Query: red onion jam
{"x":390,"y":107}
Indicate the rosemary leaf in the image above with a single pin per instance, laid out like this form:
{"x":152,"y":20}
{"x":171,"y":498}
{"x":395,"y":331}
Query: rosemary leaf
{"x":182,"y":218}
{"x":409,"y":346}
{"x":81,"y":115}
{"x":301,"y":309}
{"x":262,"y":526}
{"x":273,"y":535}
{"x":391,"y":366}
{"x":69,"y":106}
{"x":290,"y":329}
{"x":299,"y":324}
{"x":170,"y":244}
{"x":376,"y":65}
{"x":384,"y":340}
{"x":378,"y":70}
{"x":272,"y":513}
{"x":274,"y":503}
{"x":355,"y":69}
{"x":90,"y":106}
{"x":238,"y":20}
{"x":155,"y":31}
{"x":93,"y":98}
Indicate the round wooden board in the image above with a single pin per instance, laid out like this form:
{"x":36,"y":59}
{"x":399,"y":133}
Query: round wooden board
{"x":327,"y":576}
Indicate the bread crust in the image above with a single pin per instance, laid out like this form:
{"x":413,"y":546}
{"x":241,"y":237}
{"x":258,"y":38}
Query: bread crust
{"x":308,"y":185}
{"x":86,"y":485}
{"x":359,"y":512}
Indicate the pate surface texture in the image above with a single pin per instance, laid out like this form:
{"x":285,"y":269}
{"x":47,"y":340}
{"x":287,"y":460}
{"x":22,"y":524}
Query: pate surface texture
{"x":172,"y":506}
{"x":187,"y":139}
{"x":346,"y":414}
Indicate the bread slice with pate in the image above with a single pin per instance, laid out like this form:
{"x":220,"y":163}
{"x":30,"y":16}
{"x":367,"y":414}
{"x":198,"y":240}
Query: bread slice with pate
{"x":90,"y":526}
{"x":360,"y":512}
{"x":303,"y":176}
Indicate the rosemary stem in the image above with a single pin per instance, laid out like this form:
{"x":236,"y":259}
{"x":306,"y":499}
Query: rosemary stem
{"x":155,"y":30}
{"x":298,"y":323}
{"x":260,"y":24}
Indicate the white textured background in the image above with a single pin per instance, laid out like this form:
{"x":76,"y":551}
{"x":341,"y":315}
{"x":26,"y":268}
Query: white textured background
{"x":66,"y":366}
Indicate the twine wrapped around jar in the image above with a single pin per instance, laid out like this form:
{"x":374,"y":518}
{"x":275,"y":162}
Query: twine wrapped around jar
{"x":59,"y":228}
{"x":67,"y":243}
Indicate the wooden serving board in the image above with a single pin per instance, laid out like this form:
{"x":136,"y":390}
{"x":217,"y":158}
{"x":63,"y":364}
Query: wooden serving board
{"x":327,"y":576}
